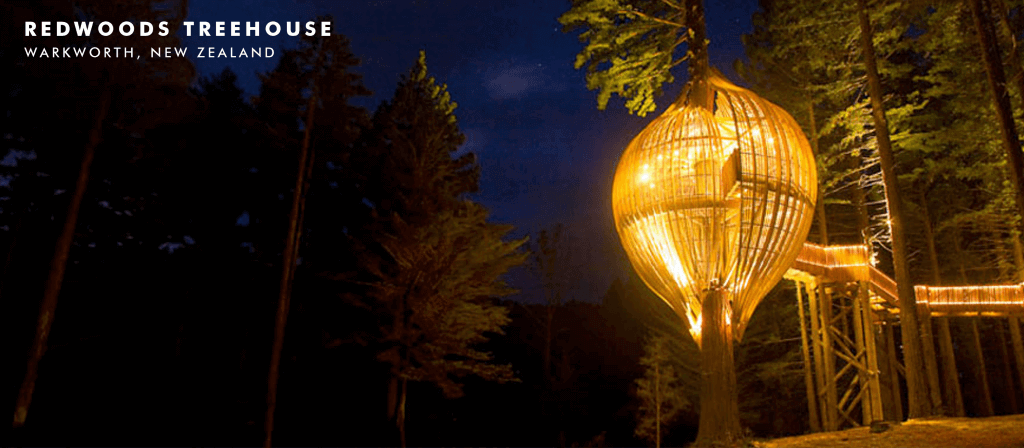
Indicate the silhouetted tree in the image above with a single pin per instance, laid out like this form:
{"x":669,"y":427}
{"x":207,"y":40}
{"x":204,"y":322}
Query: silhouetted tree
{"x":431,"y":260}
{"x":133,"y":92}
{"x":319,"y":71}
{"x":659,"y":390}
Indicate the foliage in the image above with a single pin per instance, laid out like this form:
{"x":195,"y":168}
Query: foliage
{"x":433,"y":260}
{"x":660,"y":391}
{"x":437,"y":287}
{"x":630,"y":47}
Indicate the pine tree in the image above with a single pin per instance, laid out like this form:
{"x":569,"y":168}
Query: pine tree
{"x":660,"y":391}
{"x":320,"y":70}
{"x":432,"y":263}
{"x":134,"y":93}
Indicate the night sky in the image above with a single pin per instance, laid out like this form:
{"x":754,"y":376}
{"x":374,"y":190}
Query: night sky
{"x":547,"y":153}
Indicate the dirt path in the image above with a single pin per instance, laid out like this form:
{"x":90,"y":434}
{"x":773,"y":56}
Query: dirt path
{"x":992,"y":432}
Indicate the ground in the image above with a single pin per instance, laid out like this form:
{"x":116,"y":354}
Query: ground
{"x":992,"y":432}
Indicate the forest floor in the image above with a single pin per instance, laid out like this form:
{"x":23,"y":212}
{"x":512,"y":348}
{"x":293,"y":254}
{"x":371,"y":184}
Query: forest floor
{"x":991,"y":432}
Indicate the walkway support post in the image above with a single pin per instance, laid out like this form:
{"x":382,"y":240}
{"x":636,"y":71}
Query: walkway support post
{"x":812,"y":401}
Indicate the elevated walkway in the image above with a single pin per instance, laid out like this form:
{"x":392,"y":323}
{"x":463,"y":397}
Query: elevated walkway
{"x":850,"y":353}
{"x":852,"y":263}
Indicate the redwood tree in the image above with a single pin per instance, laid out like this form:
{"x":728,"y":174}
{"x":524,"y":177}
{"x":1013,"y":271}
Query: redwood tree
{"x":917,"y":386}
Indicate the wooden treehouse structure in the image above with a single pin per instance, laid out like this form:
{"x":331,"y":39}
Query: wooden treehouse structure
{"x":713,"y":201}
{"x":851,"y":369}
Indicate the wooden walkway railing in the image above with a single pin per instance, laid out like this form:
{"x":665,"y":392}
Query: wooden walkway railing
{"x":853,"y":263}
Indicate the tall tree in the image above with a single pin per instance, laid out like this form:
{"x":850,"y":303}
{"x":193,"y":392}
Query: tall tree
{"x":320,"y":69}
{"x":989,"y":46}
{"x":432,"y":262}
{"x":128,"y":91}
{"x":917,"y":386}
{"x":659,"y":390}
{"x":639,"y":40}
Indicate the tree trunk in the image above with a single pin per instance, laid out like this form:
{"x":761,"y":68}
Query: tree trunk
{"x":950,"y":374}
{"x":1018,"y":348}
{"x":58,"y":264}
{"x":894,"y":377}
{"x":698,"y":67}
{"x":987,"y":409}
{"x":1011,"y":393}
{"x":819,"y":208}
{"x":400,"y":420}
{"x":953,"y":398}
{"x":989,"y":47}
{"x":927,"y":340}
{"x":302,"y":216}
{"x":287,"y":267}
{"x":719,"y":408}
{"x":860,"y":204}
{"x":1016,"y":66}
{"x":917,"y":385}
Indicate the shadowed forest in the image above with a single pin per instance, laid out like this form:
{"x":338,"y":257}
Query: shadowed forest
{"x":173,"y":241}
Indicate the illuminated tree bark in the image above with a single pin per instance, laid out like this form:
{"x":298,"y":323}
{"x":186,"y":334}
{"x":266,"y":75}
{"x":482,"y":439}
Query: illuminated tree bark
{"x":287,"y":274}
{"x":989,"y":48}
{"x":927,"y":339}
{"x":719,"y":402}
{"x":820,"y":206}
{"x":987,"y":407}
{"x":917,"y":386}
{"x":953,"y":399}
{"x":1014,"y":322}
{"x":1007,"y":370}
{"x":58,"y":264}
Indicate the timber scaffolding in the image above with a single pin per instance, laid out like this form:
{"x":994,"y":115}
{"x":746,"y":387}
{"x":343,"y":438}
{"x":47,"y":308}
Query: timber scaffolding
{"x":849,"y":348}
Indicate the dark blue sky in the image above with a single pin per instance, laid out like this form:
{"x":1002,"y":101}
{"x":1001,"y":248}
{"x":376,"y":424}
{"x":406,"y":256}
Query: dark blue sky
{"x":547,"y":153}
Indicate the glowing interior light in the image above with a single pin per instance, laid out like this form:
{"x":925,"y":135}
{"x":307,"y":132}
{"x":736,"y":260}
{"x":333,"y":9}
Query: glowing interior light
{"x":700,"y":202}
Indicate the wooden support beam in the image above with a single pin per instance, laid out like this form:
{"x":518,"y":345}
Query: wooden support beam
{"x":842,"y":340}
{"x":851,"y":362}
{"x":874,"y":388}
{"x":839,"y":342}
{"x":825,"y":308}
{"x":863,"y":370}
{"x":846,"y":396}
{"x":819,"y":364}
{"x":812,"y":401}
{"x":846,"y":404}
{"x":846,"y":416}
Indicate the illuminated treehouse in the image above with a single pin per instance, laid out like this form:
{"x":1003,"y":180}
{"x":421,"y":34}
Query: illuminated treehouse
{"x":712,"y":202}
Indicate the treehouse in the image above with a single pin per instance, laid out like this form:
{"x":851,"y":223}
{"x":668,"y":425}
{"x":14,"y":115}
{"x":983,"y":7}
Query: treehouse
{"x":712,"y":202}
{"x":715,"y":194}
